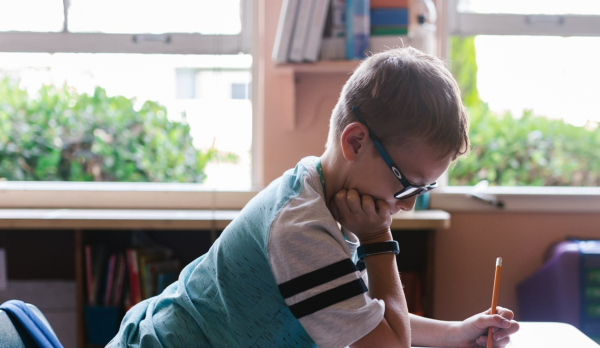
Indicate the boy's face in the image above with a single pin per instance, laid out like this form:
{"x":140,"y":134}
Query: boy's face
{"x":419,"y":164}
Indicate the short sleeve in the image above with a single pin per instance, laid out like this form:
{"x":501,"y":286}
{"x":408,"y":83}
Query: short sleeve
{"x":312,"y":265}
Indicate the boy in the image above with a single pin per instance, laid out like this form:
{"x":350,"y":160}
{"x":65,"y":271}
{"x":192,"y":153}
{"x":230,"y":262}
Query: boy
{"x":284,"y":274}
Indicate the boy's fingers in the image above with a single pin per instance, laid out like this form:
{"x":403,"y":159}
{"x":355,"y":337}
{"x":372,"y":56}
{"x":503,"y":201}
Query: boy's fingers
{"x":383,"y":209}
{"x":341,"y":203}
{"x":485,"y":321}
{"x":368,"y":205}
{"x":354,"y":202}
{"x":505,"y":312}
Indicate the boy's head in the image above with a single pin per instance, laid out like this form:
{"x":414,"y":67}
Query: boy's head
{"x":412,"y":104}
{"x":406,"y":96}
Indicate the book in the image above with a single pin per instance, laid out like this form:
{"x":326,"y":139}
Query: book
{"x":389,"y":17}
{"x":154,"y":269}
{"x":110,"y":275}
{"x":99,"y":257}
{"x":285,"y":29}
{"x":301,"y":27}
{"x":144,"y":257}
{"x":357,"y":28}
{"x":134,"y":277}
{"x":315,"y":32}
{"x":389,"y":3}
{"x":333,"y":44}
{"x":119,"y":280}
{"x":389,"y":31}
{"x":164,"y":280}
{"x":88,"y":275}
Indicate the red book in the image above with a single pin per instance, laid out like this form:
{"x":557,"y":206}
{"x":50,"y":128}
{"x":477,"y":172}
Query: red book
{"x":110,"y":275}
{"x":389,"y":3}
{"x":119,"y":280}
{"x":88,"y":275}
{"x":134,"y":276}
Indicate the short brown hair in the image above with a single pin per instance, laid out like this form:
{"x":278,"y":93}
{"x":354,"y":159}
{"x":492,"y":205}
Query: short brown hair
{"x":405,"y":95}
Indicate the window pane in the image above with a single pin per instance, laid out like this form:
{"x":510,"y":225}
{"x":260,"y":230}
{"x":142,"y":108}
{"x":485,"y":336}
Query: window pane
{"x":155,"y":16}
{"x":555,"y":77}
{"x":550,"y":7}
{"x":534,"y":110}
{"x":18,"y":15}
{"x":216,"y":120}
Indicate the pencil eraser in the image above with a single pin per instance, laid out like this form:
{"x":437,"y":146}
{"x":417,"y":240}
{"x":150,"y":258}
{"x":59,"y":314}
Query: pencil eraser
{"x":499,"y":261}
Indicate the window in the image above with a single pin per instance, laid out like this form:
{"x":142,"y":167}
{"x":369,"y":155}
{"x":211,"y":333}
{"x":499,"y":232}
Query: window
{"x":527,"y":70}
{"x":182,"y":56}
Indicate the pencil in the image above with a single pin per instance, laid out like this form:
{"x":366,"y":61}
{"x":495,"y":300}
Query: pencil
{"x":490,"y":341}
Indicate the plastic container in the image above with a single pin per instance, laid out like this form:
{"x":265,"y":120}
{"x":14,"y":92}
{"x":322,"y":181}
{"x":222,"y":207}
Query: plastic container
{"x":422,"y":26}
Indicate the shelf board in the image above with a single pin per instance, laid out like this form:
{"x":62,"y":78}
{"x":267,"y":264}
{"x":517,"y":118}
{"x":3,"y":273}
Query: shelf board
{"x":172,"y":219}
{"x":320,"y":67}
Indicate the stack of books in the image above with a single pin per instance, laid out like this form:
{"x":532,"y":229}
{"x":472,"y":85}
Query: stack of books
{"x":300,"y":30}
{"x":126,"y":278}
{"x":389,"y":24}
{"x":309,"y":30}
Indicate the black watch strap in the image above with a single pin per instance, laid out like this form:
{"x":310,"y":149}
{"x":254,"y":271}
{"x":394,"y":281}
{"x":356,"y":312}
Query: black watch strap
{"x":378,"y":248}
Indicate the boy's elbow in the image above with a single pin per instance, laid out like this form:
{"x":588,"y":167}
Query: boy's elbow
{"x":384,"y":336}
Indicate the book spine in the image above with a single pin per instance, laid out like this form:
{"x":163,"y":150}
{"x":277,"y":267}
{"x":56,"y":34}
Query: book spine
{"x":285,"y":29}
{"x":301,"y":27}
{"x":389,"y":17}
{"x":118,"y":288}
{"x":315,"y":33}
{"x":134,"y":276}
{"x":88,"y":275}
{"x":110,"y":275}
{"x":357,"y":28}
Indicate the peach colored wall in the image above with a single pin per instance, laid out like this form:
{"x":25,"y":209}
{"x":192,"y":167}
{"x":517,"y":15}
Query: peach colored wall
{"x":316,"y":95}
{"x":465,"y":256}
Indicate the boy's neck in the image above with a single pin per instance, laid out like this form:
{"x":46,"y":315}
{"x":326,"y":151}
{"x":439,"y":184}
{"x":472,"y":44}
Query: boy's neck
{"x":333,"y":174}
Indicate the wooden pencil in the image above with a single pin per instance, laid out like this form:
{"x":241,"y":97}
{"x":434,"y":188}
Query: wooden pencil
{"x":490,"y":341}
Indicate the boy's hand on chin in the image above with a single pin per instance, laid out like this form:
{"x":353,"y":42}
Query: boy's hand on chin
{"x":364,"y":216}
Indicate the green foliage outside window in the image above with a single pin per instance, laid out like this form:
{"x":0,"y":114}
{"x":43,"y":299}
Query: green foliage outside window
{"x":62,"y":135}
{"x":523,"y":151}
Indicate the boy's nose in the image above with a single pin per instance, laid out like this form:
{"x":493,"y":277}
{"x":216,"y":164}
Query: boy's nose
{"x":406,"y":204}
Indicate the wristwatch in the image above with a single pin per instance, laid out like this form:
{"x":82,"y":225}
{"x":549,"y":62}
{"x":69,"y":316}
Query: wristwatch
{"x":378,"y":248}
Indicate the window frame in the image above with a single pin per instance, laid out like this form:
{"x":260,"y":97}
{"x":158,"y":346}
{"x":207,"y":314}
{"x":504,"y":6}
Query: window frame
{"x":167,"y":43}
{"x":469,"y":24}
{"x":530,"y":199}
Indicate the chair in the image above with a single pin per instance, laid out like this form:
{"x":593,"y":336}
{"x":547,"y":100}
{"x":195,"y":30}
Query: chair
{"x":14,"y":335}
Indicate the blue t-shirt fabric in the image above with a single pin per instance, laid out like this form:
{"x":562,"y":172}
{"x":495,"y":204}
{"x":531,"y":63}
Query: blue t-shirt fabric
{"x":282,"y":274}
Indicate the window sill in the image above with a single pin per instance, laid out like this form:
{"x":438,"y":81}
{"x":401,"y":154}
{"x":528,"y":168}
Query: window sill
{"x":86,"y":195}
{"x":519,"y":199}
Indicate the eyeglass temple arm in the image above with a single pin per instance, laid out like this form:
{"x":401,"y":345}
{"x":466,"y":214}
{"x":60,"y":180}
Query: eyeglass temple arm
{"x":386,"y":158}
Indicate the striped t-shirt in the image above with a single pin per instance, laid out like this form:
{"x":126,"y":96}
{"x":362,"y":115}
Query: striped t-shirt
{"x":280,"y":275}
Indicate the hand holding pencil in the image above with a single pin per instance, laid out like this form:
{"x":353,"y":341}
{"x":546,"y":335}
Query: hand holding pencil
{"x":491,"y":328}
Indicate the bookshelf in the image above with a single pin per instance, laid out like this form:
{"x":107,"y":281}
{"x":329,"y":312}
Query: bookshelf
{"x":189,"y":233}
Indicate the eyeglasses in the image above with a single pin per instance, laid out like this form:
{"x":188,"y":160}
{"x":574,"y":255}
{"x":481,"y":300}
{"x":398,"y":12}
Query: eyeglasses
{"x":408,"y":190}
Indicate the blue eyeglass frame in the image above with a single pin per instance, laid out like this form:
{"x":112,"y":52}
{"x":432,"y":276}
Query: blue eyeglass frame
{"x":408,"y":190}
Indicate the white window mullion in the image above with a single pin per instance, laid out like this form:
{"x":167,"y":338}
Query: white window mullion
{"x":467,"y":24}
{"x":120,"y":43}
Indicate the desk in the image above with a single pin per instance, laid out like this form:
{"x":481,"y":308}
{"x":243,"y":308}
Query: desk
{"x":549,"y":335}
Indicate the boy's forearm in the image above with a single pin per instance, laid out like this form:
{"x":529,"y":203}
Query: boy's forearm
{"x":428,"y":332}
{"x":384,"y":284}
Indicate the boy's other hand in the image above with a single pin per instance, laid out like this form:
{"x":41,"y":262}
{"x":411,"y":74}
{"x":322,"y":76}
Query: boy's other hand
{"x":472,"y":332}
{"x":364,"y":216}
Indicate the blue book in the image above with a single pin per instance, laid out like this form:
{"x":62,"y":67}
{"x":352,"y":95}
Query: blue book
{"x":357,"y":28}
{"x":389,"y":17}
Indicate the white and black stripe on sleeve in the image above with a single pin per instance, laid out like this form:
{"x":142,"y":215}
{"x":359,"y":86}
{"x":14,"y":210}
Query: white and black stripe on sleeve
{"x":317,"y":278}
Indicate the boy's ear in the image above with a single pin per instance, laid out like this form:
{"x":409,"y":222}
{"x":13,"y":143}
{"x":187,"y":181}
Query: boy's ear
{"x":353,"y":140}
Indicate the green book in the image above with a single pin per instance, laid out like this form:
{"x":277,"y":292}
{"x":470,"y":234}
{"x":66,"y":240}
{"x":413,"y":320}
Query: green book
{"x":386,"y":31}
